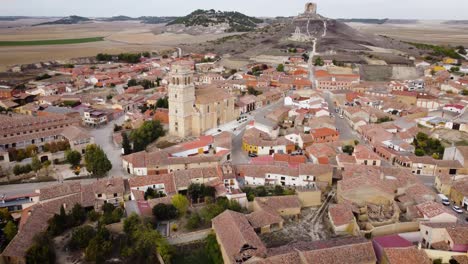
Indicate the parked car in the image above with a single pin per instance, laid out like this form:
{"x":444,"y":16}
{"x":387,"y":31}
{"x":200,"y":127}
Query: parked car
{"x":341,"y":116}
{"x":457,"y":209}
{"x":253,"y":155}
{"x":445,"y":201}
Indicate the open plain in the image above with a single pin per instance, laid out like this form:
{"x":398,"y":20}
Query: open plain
{"x":422,"y":31}
{"x":122,"y":36}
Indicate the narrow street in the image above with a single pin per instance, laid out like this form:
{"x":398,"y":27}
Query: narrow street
{"x":238,"y":155}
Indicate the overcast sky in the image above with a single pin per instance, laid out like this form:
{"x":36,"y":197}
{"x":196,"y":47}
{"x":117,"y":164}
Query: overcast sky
{"x":409,"y":9}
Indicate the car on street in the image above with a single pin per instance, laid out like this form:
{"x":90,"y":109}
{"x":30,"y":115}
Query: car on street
{"x":341,"y":116}
{"x":444,"y":200}
{"x":253,"y":155}
{"x":457,"y":209}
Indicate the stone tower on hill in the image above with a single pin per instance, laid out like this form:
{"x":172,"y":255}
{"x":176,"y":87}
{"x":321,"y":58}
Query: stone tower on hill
{"x":310,"y":9}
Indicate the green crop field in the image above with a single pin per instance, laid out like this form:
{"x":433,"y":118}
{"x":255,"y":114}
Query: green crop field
{"x":49,"y":42}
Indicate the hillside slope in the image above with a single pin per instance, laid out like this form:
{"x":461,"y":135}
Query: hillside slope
{"x":233,"y":21}
{"x":67,"y":21}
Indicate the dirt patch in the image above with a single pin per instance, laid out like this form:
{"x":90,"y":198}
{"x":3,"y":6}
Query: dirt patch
{"x":303,"y":229}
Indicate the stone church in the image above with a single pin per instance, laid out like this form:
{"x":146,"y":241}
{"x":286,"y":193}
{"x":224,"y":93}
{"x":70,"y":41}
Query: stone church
{"x":194,"y":110}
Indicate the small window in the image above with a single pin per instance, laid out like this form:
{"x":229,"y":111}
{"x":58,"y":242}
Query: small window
{"x":115,"y":194}
{"x":99,"y":195}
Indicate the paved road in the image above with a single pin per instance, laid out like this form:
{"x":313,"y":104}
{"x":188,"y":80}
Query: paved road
{"x":238,"y":155}
{"x":346,"y":132}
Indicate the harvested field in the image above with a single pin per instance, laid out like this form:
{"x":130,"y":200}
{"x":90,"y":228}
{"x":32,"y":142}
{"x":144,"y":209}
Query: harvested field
{"x":118,"y":37}
{"x":433,"y":32}
{"x":49,"y":42}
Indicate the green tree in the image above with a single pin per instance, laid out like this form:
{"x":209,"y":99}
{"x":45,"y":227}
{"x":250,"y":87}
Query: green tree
{"x":419,"y":152}
{"x":213,"y":250}
{"x":73,"y":157}
{"x":164,"y":212}
{"x":319,"y":61}
{"x":36,"y":164}
{"x":348,"y":149}
{"x":4,"y":215}
{"x":46,"y":166}
{"x":58,"y":223}
{"x":81,"y":236}
{"x":96,"y":161}
{"x":132,"y":82}
{"x":126,"y":146}
{"x":151,"y":193}
{"x":279,"y":190}
{"x":146,"y":134}
{"x":100,"y":247}
{"x":194,"y":221}
{"x":131,"y":224}
{"x":163,"y":102}
{"x":77,"y":215}
{"x":280,"y":68}
{"x":41,"y":251}
{"x":181,"y":203}
{"x":10,"y":230}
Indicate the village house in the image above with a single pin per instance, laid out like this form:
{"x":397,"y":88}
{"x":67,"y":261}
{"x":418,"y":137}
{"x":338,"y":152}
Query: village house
{"x":444,"y":236}
{"x":239,"y":242}
{"x":304,"y":175}
{"x":19,"y":132}
{"x":435,"y":212}
{"x":206,"y":151}
{"x":365,"y":156}
{"x":260,"y":143}
{"x":459,"y":193}
{"x":329,"y":81}
{"x":342,"y":219}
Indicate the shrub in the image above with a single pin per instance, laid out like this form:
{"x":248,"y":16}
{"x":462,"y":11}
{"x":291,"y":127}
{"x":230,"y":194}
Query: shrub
{"x":164,"y":212}
{"x":81,"y":236}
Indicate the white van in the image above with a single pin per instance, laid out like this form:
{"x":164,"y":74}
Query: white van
{"x":444,"y":199}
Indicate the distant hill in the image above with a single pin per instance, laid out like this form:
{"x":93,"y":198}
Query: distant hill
{"x":119,"y":18}
{"x":67,"y":21}
{"x":156,"y":20}
{"x":456,"y":22}
{"x":11,"y":18}
{"x":237,"y":22}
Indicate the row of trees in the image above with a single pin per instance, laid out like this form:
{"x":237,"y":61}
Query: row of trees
{"x":32,"y":150}
{"x":262,"y":191}
{"x":125,"y":57}
{"x":147,"y":84}
{"x":36,"y":165}
{"x":140,"y":138}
